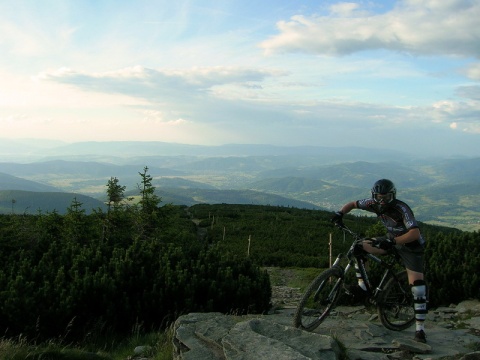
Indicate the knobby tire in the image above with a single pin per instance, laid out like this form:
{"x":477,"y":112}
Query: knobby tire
{"x":319,"y":298}
{"x":395,"y":304}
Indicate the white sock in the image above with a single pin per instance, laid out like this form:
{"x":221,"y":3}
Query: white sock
{"x":420,"y":326}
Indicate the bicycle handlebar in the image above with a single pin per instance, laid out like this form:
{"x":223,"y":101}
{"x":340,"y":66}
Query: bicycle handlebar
{"x":356,"y":236}
{"x":346,"y":229}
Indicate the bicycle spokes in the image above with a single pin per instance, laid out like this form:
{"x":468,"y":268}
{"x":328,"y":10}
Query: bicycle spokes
{"x":318,"y":300}
{"x":395,"y":305}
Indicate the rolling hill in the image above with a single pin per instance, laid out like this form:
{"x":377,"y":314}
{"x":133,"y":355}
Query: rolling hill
{"x":9,"y":182}
{"x":214,"y":196}
{"x":29,"y":202}
{"x":441,"y":191}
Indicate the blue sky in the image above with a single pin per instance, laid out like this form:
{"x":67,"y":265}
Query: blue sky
{"x":381,"y":74}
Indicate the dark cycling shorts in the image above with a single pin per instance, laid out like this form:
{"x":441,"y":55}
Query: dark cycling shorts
{"x":412,"y":257}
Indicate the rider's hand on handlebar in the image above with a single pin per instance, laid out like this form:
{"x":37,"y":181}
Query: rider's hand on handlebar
{"x":384,"y":242}
{"x":337,"y":219}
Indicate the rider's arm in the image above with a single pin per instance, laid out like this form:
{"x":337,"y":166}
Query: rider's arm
{"x":348,"y":207}
{"x":411,"y":235}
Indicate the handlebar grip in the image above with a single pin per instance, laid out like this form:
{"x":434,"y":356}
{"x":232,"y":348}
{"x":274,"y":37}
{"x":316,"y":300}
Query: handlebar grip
{"x":375,"y":243}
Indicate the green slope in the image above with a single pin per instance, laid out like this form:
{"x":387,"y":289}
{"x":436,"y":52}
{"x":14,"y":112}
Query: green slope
{"x":30,"y":202}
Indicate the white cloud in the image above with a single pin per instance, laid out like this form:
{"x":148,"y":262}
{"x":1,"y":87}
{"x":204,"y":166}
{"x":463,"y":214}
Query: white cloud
{"x":473,"y":71}
{"x":344,"y":8}
{"x":194,"y":74}
{"x":413,"y":26}
{"x":158,"y":117}
{"x":215,"y":94}
{"x":13,"y":119}
{"x":469,"y":91}
{"x":19,"y":41}
{"x":464,"y":115}
{"x":159,"y":85}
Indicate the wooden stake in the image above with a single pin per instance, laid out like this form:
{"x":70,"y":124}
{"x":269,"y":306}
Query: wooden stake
{"x":330,"y":248}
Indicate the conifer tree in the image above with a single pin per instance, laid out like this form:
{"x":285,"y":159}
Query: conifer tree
{"x":149,"y":220}
{"x":115,"y":193}
{"x":149,"y":201}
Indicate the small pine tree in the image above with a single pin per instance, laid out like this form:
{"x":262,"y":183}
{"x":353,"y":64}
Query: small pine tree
{"x":149,"y":201}
{"x":115,"y":193}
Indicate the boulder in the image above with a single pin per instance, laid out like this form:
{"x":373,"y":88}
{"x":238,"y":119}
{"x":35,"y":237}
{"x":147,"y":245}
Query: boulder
{"x":213,"y":336}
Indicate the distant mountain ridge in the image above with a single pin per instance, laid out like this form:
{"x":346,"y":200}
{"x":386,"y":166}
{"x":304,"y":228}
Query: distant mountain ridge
{"x":441,"y":191}
{"x":93,"y":150}
{"x":9,"y":182}
{"x":191,"y":197}
{"x":90,"y":168}
{"x":29,"y":202}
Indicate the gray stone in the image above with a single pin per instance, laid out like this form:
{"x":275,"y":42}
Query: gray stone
{"x":365,"y":355}
{"x":471,"y":306}
{"x":198,"y":336}
{"x":473,"y":322}
{"x":142,"y":350}
{"x":275,"y":341}
{"x":214,"y":336}
{"x":472,"y":356}
{"x":413,"y":346}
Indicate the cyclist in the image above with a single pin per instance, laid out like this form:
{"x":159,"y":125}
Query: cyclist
{"x":404,"y":234}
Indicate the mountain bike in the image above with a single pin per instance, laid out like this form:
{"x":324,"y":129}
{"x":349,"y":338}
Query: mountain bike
{"x":392,"y":296}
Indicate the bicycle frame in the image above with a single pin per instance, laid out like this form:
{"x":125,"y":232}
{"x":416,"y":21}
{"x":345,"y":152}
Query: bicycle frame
{"x":359,"y":259}
{"x":388,"y":272}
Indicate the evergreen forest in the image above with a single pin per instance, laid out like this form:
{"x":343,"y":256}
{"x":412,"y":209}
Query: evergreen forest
{"x":141,"y":263}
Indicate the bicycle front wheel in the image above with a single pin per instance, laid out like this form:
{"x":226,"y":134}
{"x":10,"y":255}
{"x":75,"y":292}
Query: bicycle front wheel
{"x":395,"y":305}
{"x":319,"y":298}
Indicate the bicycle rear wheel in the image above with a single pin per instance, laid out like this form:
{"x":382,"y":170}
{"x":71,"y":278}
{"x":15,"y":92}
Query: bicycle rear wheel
{"x":319,"y":299}
{"x":395,"y":304}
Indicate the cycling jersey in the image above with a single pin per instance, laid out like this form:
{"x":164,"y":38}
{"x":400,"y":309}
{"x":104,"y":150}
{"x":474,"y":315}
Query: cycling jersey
{"x":397,"y":217}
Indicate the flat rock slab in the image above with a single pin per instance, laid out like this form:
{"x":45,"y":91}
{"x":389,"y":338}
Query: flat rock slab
{"x":373,"y":338}
{"x":198,"y":336}
{"x":260,"y":339}
{"x":214,"y":336}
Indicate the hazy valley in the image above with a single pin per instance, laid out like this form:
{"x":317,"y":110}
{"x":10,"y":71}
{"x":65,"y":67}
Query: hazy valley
{"x":48,"y":176}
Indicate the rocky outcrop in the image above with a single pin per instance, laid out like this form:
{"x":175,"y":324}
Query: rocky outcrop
{"x":207,"y":336}
{"x":349,"y":333}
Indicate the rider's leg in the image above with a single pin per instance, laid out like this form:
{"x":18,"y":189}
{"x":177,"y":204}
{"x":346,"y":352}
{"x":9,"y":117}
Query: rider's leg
{"x":419,"y":291}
